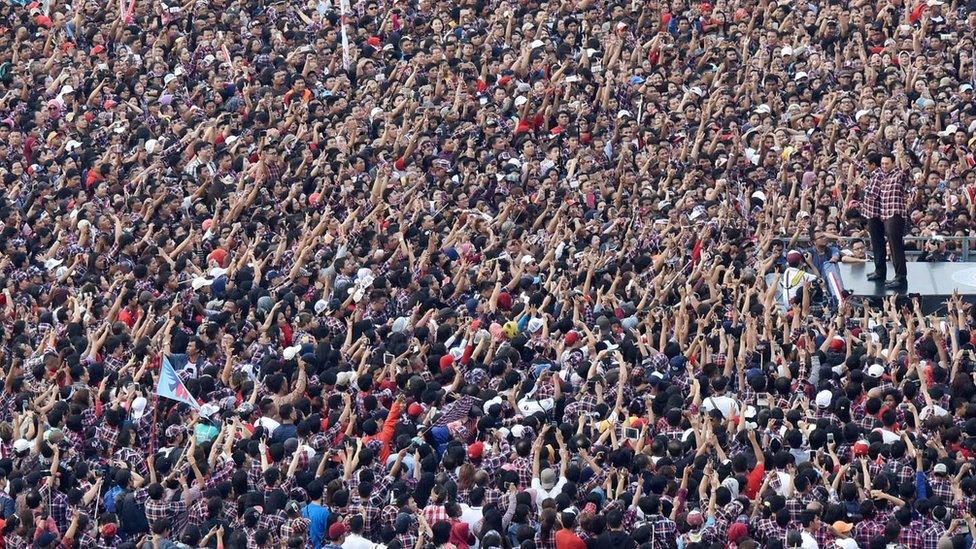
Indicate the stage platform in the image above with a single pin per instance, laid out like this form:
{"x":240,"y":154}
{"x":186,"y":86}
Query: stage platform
{"x":933,"y":283}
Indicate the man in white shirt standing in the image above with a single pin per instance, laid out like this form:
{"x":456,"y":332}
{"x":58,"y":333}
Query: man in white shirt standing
{"x":546,"y":484}
{"x":354,"y":539}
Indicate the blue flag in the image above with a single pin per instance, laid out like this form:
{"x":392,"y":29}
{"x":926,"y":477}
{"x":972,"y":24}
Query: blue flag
{"x":171,"y":386}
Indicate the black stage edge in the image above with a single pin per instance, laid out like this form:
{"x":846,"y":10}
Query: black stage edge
{"x":933,"y":283}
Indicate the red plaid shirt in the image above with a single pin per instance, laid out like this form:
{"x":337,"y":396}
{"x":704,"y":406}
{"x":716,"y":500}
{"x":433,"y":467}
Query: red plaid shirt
{"x":871,"y":204}
{"x":867,"y":529}
{"x":892,"y":194}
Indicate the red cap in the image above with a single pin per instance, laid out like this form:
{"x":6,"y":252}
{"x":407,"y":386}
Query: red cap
{"x":860,"y":448}
{"x":337,"y":530}
{"x":97,"y":50}
{"x":837,"y":344}
{"x":109,"y":530}
{"x":373,"y":41}
{"x":220,"y":255}
{"x":503,"y":81}
{"x":314,"y":198}
{"x":446,"y":362}
{"x":505,"y":301}
{"x":572,"y":338}
{"x":108,"y":104}
{"x":476,"y":450}
{"x":44,"y":21}
{"x":414,"y":409}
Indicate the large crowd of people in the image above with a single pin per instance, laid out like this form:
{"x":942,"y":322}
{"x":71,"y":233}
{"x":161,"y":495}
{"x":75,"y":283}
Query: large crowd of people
{"x":528,"y":274}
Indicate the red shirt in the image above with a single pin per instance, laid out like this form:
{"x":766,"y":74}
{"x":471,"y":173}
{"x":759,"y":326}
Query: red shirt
{"x":567,"y":539}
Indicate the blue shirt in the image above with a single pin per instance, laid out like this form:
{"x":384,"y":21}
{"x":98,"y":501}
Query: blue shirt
{"x":318,"y":517}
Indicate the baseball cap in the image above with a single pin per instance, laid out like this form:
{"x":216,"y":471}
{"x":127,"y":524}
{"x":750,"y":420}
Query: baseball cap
{"x":940,"y":468}
{"x":337,"y":530}
{"x":842,"y":527}
{"x":876,"y":370}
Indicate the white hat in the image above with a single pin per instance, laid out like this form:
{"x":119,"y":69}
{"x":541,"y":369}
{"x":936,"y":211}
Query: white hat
{"x":860,"y":113}
{"x":951,"y":129}
{"x":138,"y":407}
{"x":21,"y":445}
{"x":623,"y":113}
{"x":534,"y":325}
{"x":759,"y":195}
{"x":786,"y":51}
{"x":823,"y":398}
{"x":66,"y":89}
{"x":697,"y":91}
{"x":518,"y":430}
{"x":799,"y":75}
{"x":290,"y":352}
{"x":764,"y":108}
{"x":521,"y":100}
{"x":537,"y":44}
{"x":320,"y":306}
{"x":52,"y":263}
{"x":400,"y":324}
{"x":217,"y":272}
{"x":72,"y":145}
{"x":966,"y":87}
{"x":169,"y":78}
{"x":150,"y":145}
{"x":935,"y":3}
{"x":876,"y":370}
{"x":200,"y":282}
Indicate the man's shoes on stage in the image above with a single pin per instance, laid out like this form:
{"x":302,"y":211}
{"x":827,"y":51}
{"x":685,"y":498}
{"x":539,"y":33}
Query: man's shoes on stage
{"x":896,"y":283}
{"x":877,"y":276}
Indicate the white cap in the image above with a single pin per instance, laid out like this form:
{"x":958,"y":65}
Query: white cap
{"x":521,"y":100}
{"x":21,"y":445}
{"x":799,"y":75}
{"x":939,"y":468}
{"x":951,"y":129}
{"x":138,"y":407}
{"x":518,"y":430}
{"x":150,"y":145}
{"x":534,"y":325}
{"x":759,"y":195}
{"x":966,"y":87}
{"x":786,"y":51}
{"x":876,"y":370}
{"x":200,"y":282}
{"x":169,"y":78}
{"x":320,"y":306}
{"x":537,"y":44}
{"x":823,"y":398}
{"x":72,"y":145}
{"x":290,"y":352}
{"x":52,"y":263}
{"x":764,"y":108}
{"x":860,"y":113}
{"x":218,"y":272}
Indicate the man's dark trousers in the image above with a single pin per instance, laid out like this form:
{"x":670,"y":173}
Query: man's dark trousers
{"x":894,"y":228}
{"x":876,"y":228}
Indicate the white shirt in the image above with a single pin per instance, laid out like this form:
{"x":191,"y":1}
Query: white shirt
{"x":541,"y":494}
{"x":472,"y":516}
{"x":809,"y":542}
{"x":728,"y":406}
{"x":355,"y":541}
